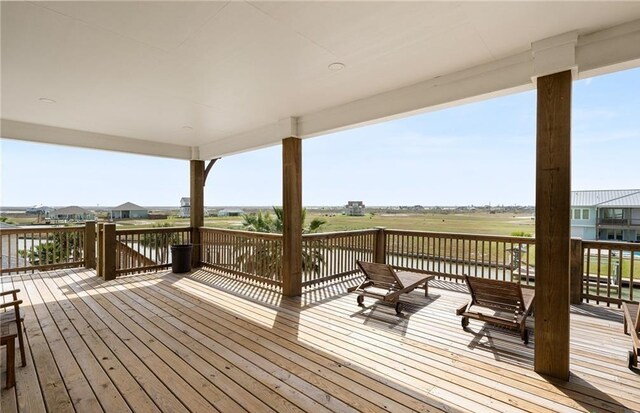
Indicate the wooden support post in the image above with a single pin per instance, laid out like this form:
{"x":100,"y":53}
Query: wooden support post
{"x":100,"y":261}
{"x":197,"y":209}
{"x":109,"y":252}
{"x":90,"y":244}
{"x":553,"y":216}
{"x":577,"y":264}
{"x":292,"y":217}
{"x":380,"y":252}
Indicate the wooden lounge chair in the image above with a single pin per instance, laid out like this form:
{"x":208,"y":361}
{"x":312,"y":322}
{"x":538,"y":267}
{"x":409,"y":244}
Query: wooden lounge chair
{"x":632,"y":327}
{"x":9,"y":329}
{"x":9,"y":316}
{"x":384,"y":283}
{"x":510,"y":304}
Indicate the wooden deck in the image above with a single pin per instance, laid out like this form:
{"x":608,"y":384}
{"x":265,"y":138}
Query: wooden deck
{"x":204,"y":342}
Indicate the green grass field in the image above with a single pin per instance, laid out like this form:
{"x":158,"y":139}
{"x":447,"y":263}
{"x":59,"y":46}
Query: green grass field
{"x":470,"y":223}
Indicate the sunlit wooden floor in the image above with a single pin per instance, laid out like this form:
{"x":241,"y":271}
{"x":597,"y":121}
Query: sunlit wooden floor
{"x":205,"y":342}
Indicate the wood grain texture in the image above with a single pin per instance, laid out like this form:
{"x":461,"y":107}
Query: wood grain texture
{"x":109,"y":252}
{"x":292,"y":217}
{"x":553,"y":208}
{"x":381,"y":246}
{"x":209,"y":342}
{"x":197,"y":208}
{"x":90,"y":244}
{"x":577,"y":270}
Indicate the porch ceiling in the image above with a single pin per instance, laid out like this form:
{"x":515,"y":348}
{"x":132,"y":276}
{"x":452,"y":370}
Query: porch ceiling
{"x":129,"y":76}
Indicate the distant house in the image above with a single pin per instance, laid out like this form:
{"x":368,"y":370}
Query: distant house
{"x":355,"y":208}
{"x":39,"y":210}
{"x":612,"y":215}
{"x":128,"y":210}
{"x":230,"y":212}
{"x":71,"y":213}
{"x":185,"y":207}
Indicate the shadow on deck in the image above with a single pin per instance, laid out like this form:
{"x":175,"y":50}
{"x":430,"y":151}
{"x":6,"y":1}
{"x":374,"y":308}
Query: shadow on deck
{"x":206,"y":342}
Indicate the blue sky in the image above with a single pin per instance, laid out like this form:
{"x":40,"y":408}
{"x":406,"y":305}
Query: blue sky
{"x":476,"y":154}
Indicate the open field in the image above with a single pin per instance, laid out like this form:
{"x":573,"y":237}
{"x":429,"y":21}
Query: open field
{"x":469,"y":223}
{"x":472,"y":223}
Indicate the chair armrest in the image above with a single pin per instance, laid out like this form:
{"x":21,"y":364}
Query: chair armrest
{"x":462,"y":309}
{"x":14,"y":292}
{"x":528,"y":303}
{"x":15,"y":304}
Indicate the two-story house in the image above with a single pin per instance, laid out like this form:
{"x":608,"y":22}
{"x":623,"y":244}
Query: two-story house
{"x":185,"y":207}
{"x":355,"y":208}
{"x":610,"y":215}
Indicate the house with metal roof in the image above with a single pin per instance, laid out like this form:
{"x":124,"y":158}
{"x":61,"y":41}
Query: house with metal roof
{"x":128,"y":210}
{"x":230,"y":212}
{"x":612,"y":215}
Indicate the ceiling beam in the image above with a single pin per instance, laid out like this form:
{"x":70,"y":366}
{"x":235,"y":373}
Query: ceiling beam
{"x":11,"y":129}
{"x":263,"y":137}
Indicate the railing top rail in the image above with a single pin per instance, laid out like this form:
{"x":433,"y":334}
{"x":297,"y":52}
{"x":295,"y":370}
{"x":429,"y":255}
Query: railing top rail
{"x":151,"y":230}
{"x":339,"y":234}
{"x":611,"y":245}
{"x":27,"y":230}
{"x":480,"y":237}
{"x":245,"y":234}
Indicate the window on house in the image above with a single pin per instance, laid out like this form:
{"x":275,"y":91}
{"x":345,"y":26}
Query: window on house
{"x":585,"y":214}
{"x":576,"y":214}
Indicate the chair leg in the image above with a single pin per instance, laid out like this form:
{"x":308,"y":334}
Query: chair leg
{"x":11,"y":363}
{"x":23,"y":357}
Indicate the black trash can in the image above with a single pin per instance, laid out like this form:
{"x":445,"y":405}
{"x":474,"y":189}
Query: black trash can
{"x":181,"y":258}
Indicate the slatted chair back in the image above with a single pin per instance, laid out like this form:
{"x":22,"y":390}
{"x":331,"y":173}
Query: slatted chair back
{"x":495,"y":294}
{"x":381,"y":274}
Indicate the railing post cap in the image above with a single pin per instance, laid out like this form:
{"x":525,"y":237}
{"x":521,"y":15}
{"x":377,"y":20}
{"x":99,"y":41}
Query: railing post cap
{"x":379,"y":227}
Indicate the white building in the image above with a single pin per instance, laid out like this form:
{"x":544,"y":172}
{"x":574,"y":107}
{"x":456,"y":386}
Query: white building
{"x":610,"y":215}
{"x":185,"y":207}
{"x":128,"y":210}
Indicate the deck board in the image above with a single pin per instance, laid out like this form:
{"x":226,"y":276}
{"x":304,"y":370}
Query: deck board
{"x":207,"y":342}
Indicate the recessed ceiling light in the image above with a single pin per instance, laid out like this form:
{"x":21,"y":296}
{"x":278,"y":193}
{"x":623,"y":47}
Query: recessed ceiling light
{"x":47,"y":100}
{"x":336,"y":66}
{"x":187,"y":127}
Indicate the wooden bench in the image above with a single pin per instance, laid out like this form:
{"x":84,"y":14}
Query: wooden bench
{"x":632,"y":327}
{"x":384,"y":283}
{"x":500,"y":297}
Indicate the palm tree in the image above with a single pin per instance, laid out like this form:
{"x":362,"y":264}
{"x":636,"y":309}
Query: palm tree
{"x":267,"y":260}
{"x":159,"y":242}
{"x":265,"y":223}
{"x":59,"y":247}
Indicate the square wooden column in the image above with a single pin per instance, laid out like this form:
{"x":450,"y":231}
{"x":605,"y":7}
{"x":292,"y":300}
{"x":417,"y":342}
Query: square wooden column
{"x":553,"y":216}
{"x":196,"y":210}
{"x":291,"y":217}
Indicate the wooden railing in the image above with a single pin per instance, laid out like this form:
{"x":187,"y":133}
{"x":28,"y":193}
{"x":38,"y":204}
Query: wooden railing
{"x":610,"y":271}
{"x":601,"y":271}
{"x":140,"y":250}
{"x":252,"y":255}
{"x":453,"y":255}
{"x":328,"y":256}
{"x":45,"y":248}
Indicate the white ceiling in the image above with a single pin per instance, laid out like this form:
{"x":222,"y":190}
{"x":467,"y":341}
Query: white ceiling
{"x":121,"y":72}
